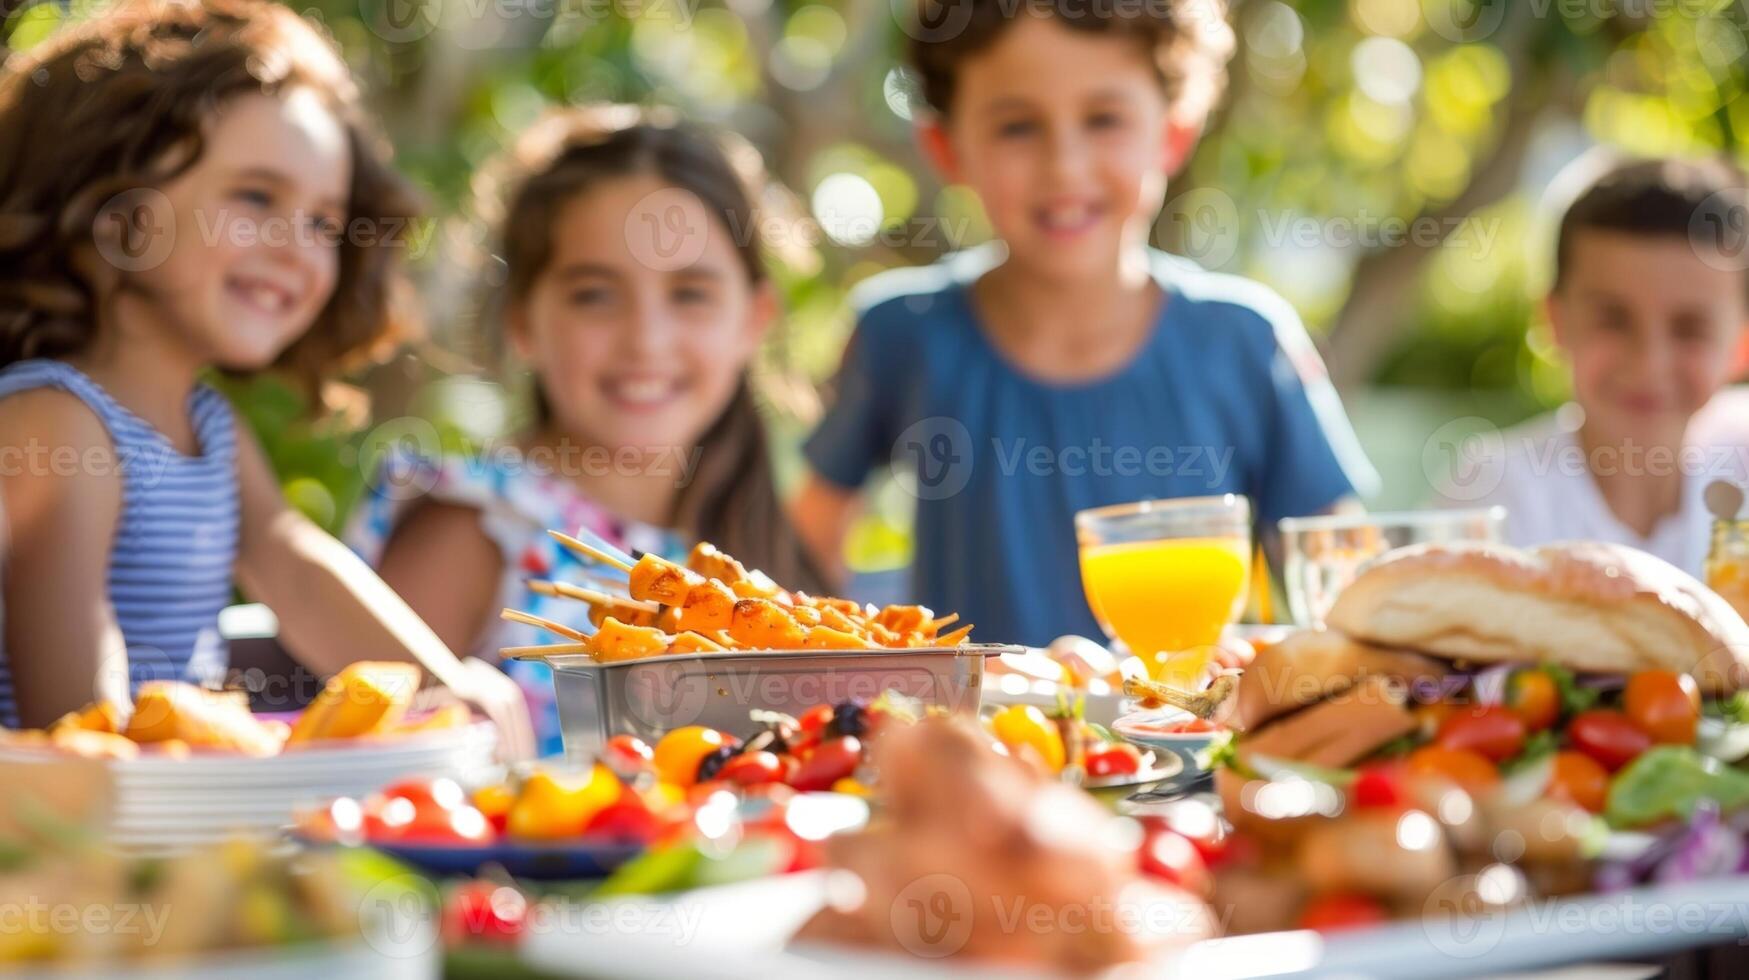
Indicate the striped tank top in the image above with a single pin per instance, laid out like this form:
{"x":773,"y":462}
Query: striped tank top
{"x":175,"y":546}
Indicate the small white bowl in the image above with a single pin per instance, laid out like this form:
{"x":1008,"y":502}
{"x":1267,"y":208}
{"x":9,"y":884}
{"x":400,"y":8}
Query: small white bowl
{"x":1142,"y":728}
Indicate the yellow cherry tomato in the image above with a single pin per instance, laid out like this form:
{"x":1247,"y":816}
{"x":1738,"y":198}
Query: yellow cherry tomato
{"x":552,"y":806}
{"x":494,"y":801}
{"x":680,"y":751}
{"x":1022,"y":726}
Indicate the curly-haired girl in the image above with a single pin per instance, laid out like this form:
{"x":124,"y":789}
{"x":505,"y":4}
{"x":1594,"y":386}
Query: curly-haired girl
{"x":184,"y":187}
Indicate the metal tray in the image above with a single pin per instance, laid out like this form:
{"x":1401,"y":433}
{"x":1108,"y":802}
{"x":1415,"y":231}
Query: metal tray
{"x":653,"y":696}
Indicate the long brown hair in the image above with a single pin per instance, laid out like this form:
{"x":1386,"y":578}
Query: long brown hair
{"x":732,"y":499}
{"x":117,"y":105}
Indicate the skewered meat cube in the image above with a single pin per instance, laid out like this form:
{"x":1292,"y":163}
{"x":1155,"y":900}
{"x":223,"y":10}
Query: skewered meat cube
{"x":711,"y":606}
{"x":620,"y":641}
{"x":712,"y":562}
{"x":630,"y":617}
{"x":757,"y":586}
{"x":765,"y":625}
{"x":657,"y":580}
{"x":904,"y":619}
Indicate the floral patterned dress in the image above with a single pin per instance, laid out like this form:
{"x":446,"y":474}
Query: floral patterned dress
{"x":517,"y":504}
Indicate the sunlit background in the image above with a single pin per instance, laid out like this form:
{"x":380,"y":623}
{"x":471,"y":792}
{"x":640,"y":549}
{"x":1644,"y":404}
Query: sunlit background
{"x":1391,"y":167}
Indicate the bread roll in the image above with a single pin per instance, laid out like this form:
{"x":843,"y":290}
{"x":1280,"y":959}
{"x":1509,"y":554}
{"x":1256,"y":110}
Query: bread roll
{"x":1310,"y":665}
{"x":1591,"y":607}
{"x":1338,"y":731}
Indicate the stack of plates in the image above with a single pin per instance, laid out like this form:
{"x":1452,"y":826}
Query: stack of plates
{"x":165,"y":805}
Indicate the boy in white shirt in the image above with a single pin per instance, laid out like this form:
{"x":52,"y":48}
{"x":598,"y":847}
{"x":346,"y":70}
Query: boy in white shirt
{"x":1649,"y":304}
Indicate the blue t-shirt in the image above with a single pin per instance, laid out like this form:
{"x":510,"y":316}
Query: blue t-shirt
{"x":1228,"y":395}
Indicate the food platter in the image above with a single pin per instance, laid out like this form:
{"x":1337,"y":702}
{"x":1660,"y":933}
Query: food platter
{"x":743,"y":931}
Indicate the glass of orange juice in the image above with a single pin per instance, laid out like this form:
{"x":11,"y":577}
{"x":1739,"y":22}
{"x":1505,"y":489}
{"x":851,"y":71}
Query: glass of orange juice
{"x":1166,"y":577}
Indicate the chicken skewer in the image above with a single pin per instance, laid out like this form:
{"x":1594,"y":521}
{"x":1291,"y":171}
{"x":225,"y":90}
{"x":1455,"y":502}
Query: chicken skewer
{"x":714,"y":603}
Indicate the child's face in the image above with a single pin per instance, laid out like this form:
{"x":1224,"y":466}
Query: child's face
{"x":1650,"y":328}
{"x":1067,"y":138}
{"x":637,"y":346}
{"x":258,"y":218}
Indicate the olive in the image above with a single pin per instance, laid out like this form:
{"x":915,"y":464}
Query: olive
{"x":849,"y":718}
{"x":710,"y":765}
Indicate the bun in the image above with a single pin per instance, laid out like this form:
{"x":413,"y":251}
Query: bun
{"x":1591,"y":607}
{"x":1340,"y":730}
{"x":1310,"y":665}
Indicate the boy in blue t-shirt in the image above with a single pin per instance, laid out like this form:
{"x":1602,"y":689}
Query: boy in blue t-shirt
{"x":1068,"y":366}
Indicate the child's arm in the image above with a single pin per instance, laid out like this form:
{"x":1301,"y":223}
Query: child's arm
{"x":822,"y":514}
{"x":333,"y":610}
{"x":442,"y":563}
{"x":63,"y":502}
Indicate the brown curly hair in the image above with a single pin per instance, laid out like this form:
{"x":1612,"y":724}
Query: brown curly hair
{"x":118,"y":104}
{"x":1188,"y":41}
{"x":732,"y":499}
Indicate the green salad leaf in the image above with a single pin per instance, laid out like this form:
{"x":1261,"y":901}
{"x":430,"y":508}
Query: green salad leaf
{"x":1574,"y":697}
{"x":1668,"y":782}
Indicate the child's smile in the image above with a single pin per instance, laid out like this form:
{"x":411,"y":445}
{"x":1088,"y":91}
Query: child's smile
{"x":1063,"y":134}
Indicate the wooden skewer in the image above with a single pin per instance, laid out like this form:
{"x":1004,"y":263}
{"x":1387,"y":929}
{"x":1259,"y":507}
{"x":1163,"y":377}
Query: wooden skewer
{"x":543,"y":652}
{"x":953,"y":639}
{"x":568,"y":591}
{"x":590,"y":551}
{"x":518,"y":616}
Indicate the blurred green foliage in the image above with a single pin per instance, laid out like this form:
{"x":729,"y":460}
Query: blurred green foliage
{"x":1342,"y":117}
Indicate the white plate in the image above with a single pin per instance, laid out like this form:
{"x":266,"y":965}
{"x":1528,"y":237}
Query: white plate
{"x":165,"y":804}
{"x":742,"y":932}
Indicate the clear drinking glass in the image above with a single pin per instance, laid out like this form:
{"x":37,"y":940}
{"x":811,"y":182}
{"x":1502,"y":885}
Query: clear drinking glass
{"x":1167,"y":576}
{"x":1727,"y":563}
{"x":1320,"y":555}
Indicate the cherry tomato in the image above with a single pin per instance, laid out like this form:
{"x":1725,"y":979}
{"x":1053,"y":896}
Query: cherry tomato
{"x":1607,"y":736}
{"x":424,"y":793}
{"x":398,"y":819}
{"x":1470,"y":770}
{"x":1338,"y":911}
{"x":680,"y":751}
{"x":1377,"y":786}
{"x":1535,"y":698}
{"x":1113,"y":759}
{"x":495,"y":802}
{"x":829,"y":762}
{"x":1202,"y":825}
{"x":628,"y":820}
{"x":484,"y":912}
{"x":1432,"y":715}
{"x":554,"y":805}
{"x":1580,"y":780}
{"x":1489,"y":729}
{"x":627,"y":754}
{"x":753,"y":768}
{"x":816,"y":719}
{"x":1170,"y":856}
{"x":1664,"y":705}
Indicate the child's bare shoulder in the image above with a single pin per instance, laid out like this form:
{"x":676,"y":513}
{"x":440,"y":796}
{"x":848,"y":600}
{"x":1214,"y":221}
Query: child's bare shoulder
{"x":55,"y":436}
{"x":51,"y":417}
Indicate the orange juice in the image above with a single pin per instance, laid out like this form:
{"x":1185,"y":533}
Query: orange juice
{"x":1727,"y":566}
{"x":1168,"y":600}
